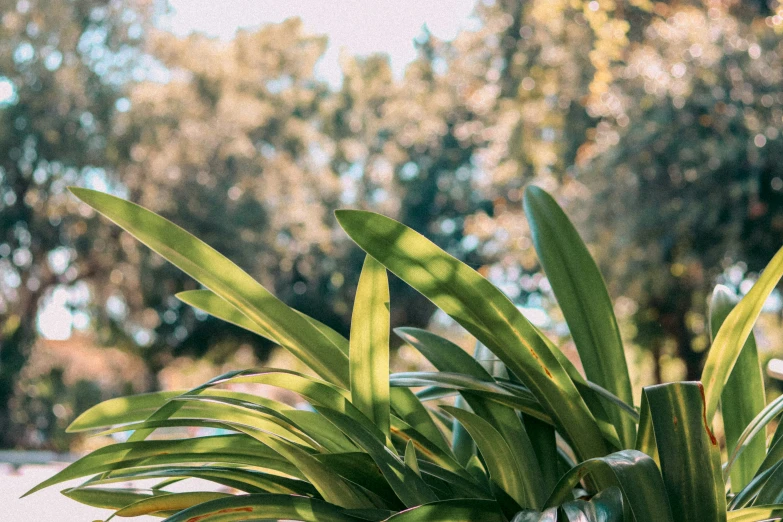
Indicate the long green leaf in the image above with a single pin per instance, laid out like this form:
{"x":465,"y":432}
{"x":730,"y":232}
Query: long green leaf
{"x":329,"y":484}
{"x":426,"y":448}
{"x":168,"y":502}
{"x":207,"y":301}
{"x":485,"y":312}
{"x":754,"y":429}
{"x":407,"y":406}
{"x":447,"y":357}
{"x":369,"y":345}
{"x":743,"y":396}
{"x":242,"y":508}
{"x":533,"y":515}
{"x":464,"y":447}
{"x":584,"y":300}
{"x":124,"y":410}
{"x":247,"y":480}
{"x":735,"y":331}
{"x":237,"y":449}
{"x":756,"y":513}
{"x":688,"y":451}
{"x":452,"y":511}
{"x":606,"y":506}
{"x":497,"y":454}
{"x":227,"y":280}
{"x":635,"y":473}
{"x":748,"y":494}
{"x":408,"y":486}
{"x":443,"y":354}
{"x":107,"y":498}
{"x":404,"y":403}
{"x":771,"y":492}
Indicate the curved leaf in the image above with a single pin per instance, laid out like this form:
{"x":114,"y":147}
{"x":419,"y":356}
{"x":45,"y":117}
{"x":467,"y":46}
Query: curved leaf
{"x":241,"y":508}
{"x":637,"y":476}
{"x":107,"y":498}
{"x":226,"y":280}
{"x":207,"y":301}
{"x":408,"y":486}
{"x":499,"y":458}
{"x":584,"y":300}
{"x":485,"y":312}
{"x":752,"y":430}
{"x":606,"y":506}
{"x":734,"y":331}
{"x":369,"y":345}
{"x":451,"y":511}
{"x":756,"y":513}
{"x":168,"y":502}
{"x":743,"y":396}
{"x":688,"y":451}
{"x":238,"y":449}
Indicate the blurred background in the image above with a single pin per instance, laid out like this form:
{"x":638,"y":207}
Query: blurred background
{"x":656,"y":125}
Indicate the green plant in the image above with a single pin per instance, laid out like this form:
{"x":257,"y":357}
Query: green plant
{"x":528,"y":438}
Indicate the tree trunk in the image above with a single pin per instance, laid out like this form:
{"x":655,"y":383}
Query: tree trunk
{"x":14,"y":350}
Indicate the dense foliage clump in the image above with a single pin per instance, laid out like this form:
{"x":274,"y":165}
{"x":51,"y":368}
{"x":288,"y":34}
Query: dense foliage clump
{"x":528,"y":437}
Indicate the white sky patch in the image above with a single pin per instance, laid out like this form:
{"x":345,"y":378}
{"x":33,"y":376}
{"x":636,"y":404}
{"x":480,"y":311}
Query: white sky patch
{"x":354,"y":26}
{"x":54,"y":320}
{"x":7,"y":91}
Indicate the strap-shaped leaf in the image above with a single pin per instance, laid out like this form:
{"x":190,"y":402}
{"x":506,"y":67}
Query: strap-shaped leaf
{"x":329,"y":484}
{"x":532,"y":515}
{"x":743,"y":396}
{"x":748,"y":494}
{"x":463,"y":446}
{"x":688,"y":451}
{"x":756,"y":513}
{"x":637,"y":476}
{"x":410,"y":457}
{"x":448,"y":357}
{"x":485,"y":312}
{"x":168,"y":502}
{"x":443,"y":354}
{"x":227,"y":280}
{"x":734,"y":331}
{"x":771,"y":492}
{"x":753,"y":429}
{"x":241,"y":508}
{"x":237,"y":449}
{"x":404,"y":402}
{"x":107,"y":498}
{"x":498,"y":456}
{"x":452,"y":510}
{"x":427,"y":449}
{"x":408,"y":407}
{"x":207,"y":301}
{"x":247,"y":480}
{"x":121,"y":410}
{"x":584,"y":300}
{"x":369,"y":345}
{"x":314,"y":390}
{"x":408,"y":486}
{"x":606,"y":506}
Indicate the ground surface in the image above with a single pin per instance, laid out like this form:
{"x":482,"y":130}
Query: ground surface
{"x":44,"y":506}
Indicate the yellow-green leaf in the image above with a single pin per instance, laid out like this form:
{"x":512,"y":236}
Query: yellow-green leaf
{"x":736,"y":328}
{"x":369,"y":345}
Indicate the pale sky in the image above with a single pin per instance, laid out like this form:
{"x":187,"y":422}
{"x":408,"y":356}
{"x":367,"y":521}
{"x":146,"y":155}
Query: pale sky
{"x":360,"y":27}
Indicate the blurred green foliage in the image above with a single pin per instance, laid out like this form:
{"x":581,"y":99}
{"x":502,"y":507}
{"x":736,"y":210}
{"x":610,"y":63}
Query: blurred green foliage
{"x":656,"y":124}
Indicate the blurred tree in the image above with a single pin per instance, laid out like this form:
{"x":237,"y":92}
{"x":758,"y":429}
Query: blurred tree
{"x":61,"y":68}
{"x":686,"y":179}
{"x":228,"y":145}
{"x":265,"y":152}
